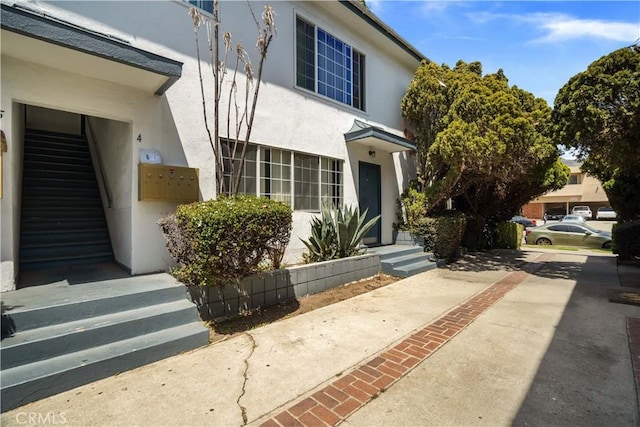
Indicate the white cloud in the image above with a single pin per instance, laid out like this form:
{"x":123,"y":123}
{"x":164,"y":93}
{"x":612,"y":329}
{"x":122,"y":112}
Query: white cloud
{"x":375,"y":6}
{"x":558,"y":27}
{"x":561,"y":27}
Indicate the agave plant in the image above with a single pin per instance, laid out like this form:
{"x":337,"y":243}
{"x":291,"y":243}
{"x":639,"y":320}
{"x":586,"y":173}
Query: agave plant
{"x":337,"y":234}
{"x":351,"y":228}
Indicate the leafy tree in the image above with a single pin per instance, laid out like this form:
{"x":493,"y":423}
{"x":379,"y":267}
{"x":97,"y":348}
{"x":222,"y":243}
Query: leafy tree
{"x":598,"y":114}
{"x":481,"y":142}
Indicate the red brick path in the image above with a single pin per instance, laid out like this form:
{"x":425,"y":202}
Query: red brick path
{"x":633,"y":330}
{"x":336,"y":401}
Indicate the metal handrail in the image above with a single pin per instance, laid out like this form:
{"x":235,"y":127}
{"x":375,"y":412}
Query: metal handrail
{"x":96,"y":150}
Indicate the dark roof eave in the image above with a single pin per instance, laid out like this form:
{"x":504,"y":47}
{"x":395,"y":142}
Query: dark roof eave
{"x":45,"y":28}
{"x":379,"y":134}
{"x":364,"y":13}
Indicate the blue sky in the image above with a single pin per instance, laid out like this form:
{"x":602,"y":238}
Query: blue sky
{"x":538,"y":44}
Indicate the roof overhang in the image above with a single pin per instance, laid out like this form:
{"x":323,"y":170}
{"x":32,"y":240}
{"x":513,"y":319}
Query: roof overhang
{"x":376,"y":23}
{"x":45,"y":40}
{"x":377,"y":138}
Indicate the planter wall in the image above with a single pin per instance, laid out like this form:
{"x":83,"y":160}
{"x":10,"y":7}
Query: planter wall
{"x":277,"y":286}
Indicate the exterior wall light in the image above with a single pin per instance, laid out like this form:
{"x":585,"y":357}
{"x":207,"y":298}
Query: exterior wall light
{"x":372,"y":154}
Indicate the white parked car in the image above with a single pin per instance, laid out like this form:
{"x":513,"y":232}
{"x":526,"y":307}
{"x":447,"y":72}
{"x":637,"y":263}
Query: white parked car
{"x":606,"y":213}
{"x":573,"y":218}
{"x":584,"y":211}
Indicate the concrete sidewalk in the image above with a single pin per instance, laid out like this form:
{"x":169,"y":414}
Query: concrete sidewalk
{"x":530,"y":346}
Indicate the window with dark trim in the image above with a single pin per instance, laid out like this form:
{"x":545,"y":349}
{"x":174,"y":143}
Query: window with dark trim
{"x":275,"y":174}
{"x":248,"y":174}
{"x":331,"y":182}
{"x":329,"y":66}
{"x":316,"y":181}
{"x":203,"y":4}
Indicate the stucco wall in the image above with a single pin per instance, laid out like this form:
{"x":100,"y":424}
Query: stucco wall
{"x":113,"y":140}
{"x":287,"y":116}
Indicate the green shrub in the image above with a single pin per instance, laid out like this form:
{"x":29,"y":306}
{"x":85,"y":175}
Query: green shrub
{"x":442,"y":234}
{"x":221,"y":241}
{"x":626,"y":240}
{"x":412,"y":205}
{"x":507,"y":235}
{"x":337,"y":234}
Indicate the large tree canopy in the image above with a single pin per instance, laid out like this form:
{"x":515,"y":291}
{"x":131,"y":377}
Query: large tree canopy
{"x":480,"y":141}
{"x":598,"y":114}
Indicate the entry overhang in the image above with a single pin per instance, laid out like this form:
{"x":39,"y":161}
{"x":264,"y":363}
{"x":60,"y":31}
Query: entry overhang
{"x":48,"y":41}
{"x":377,"y":138}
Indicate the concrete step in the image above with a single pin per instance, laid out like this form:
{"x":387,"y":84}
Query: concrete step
{"x":94,"y":323}
{"x":398,"y":261}
{"x":87,"y":300}
{"x":61,"y":224}
{"x":68,"y":184}
{"x":408,"y":270}
{"x":47,"y":342}
{"x":43,"y":237}
{"x":49,"y":202}
{"x":34,"y":381}
{"x":66,"y":261}
{"x":394,"y":251}
{"x":57,"y":250}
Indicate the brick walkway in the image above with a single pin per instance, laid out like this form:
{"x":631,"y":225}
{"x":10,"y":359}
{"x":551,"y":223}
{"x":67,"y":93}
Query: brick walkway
{"x":633,"y":330}
{"x":336,"y":401}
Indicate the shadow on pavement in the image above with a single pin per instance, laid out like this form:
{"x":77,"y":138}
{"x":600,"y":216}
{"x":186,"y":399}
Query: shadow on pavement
{"x":494,"y":260}
{"x":585,"y":376}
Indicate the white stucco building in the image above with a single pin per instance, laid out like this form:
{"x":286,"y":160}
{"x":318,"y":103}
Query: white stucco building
{"x":124,"y":74}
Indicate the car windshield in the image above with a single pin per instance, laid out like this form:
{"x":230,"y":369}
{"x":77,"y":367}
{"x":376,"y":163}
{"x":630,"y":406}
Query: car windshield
{"x":605,"y":209}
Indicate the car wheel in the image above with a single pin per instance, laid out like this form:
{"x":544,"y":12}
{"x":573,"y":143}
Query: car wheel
{"x":543,"y":241}
{"x":607,"y":245}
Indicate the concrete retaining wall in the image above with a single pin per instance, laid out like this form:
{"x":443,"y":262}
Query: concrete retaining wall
{"x":274,"y":287}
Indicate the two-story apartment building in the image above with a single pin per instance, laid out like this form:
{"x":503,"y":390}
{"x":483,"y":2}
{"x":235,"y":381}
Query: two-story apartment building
{"x":123,"y":78}
{"x":581,"y":190}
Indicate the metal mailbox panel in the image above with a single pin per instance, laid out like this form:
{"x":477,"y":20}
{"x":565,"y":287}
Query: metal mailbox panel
{"x":168,"y":183}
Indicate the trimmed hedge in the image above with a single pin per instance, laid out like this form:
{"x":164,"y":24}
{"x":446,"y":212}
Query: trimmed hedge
{"x":508,"y":235}
{"x":221,"y":241}
{"x":626,"y":239}
{"x":442,"y":234}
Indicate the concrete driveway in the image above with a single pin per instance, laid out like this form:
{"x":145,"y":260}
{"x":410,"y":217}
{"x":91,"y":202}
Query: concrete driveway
{"x":514,"y":337}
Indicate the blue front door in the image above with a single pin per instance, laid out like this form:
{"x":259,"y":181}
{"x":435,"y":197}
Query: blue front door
{"x":369,"y":198}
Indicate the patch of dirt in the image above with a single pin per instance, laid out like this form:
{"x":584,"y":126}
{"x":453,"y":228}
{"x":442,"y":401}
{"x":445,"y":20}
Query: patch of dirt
{"x":224,"y":329}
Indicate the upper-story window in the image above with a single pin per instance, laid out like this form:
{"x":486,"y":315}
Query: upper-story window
{"x":203,"y":4}
{"x":575,"y":178}
{"x":328,"y":66}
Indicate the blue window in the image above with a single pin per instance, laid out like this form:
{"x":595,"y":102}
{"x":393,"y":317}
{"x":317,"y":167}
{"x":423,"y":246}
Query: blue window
{"x":203,"y":4}
{"x":334,"y":69}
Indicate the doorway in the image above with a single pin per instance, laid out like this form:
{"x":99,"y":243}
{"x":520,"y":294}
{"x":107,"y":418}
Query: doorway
{"x":369,"y":186}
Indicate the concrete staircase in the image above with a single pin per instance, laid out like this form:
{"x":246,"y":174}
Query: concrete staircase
{"x":67,"y":335}
{"x":62,"y":221}
{"x":404,"y":260}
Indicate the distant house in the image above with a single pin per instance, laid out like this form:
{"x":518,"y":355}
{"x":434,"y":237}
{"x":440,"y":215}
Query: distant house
{"x":92,"y":90}
{"x":582,"y":190}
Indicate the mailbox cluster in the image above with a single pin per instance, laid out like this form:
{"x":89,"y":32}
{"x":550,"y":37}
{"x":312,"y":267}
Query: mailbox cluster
{"x":168,"y":183}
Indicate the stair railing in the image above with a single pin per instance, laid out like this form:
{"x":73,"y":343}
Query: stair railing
{"x":104,"y":183}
